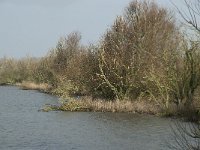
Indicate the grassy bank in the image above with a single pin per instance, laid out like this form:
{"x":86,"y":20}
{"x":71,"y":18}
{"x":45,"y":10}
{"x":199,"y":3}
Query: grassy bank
{"x":87,"y":104}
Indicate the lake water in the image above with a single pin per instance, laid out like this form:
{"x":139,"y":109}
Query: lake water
{"x":23,"y":127}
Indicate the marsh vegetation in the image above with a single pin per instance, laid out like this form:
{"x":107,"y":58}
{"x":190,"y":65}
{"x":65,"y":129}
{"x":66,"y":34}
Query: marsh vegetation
{"x":143,"y":60}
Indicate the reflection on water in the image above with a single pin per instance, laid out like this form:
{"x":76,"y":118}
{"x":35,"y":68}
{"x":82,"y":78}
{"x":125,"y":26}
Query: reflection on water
{"x":22,"y":127}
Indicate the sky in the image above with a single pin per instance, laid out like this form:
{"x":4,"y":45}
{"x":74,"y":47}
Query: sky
{"x":32,"y":27}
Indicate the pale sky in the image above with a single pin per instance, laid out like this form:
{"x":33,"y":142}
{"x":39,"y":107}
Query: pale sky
{"x":32,"y":27}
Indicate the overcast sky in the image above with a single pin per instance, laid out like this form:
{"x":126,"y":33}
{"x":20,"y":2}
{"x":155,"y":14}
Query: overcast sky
{"x":32,"y":27}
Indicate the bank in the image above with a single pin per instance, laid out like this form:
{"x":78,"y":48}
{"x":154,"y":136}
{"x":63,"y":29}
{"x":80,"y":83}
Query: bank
{"x":87,"y":103}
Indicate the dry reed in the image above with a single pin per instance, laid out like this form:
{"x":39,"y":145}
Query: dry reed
{"x":87,"y":104}
{"x":26,"y":85}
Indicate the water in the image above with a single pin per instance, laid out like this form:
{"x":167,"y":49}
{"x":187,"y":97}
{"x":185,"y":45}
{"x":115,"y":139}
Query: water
{"x":22,"y":127}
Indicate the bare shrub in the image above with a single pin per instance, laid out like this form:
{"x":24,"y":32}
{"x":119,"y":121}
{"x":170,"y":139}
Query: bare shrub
{"x":44,"y":72}
{"x":89,"y":70}
{"x":141,"y":45}
{"x":66,"y":62}
{"x":66,"y":49}
{"x":13,"y":70}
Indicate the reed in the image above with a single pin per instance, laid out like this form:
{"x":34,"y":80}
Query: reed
{"x":87,"y":104}
{"x":26,"y":85}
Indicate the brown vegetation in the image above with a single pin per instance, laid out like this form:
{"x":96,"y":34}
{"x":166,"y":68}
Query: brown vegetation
{"x":87,"y":104}
{"x":25,"y":85}
{"x":143,"y":55}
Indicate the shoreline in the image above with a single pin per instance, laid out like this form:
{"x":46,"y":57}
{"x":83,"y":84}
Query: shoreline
{"x":87,"y":104}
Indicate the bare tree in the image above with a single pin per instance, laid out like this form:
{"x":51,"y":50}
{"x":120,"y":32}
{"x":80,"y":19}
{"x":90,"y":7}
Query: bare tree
{"x":141,"y":43}
{"x":191,"y":14}
{"x":187,"y":135}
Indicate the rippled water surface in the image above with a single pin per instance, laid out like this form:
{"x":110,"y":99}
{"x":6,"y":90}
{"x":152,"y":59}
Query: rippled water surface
{"x":22,"y":127}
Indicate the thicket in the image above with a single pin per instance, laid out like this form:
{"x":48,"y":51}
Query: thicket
{"x":143,"y":55}
{"x":13,"y":71}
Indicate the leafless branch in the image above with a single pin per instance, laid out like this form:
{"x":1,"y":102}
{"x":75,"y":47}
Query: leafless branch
{"x":192,"y":14}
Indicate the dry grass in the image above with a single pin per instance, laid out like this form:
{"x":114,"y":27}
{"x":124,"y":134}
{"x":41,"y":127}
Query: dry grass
{"x":26,"y":85}
{"x":87,"y":104}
